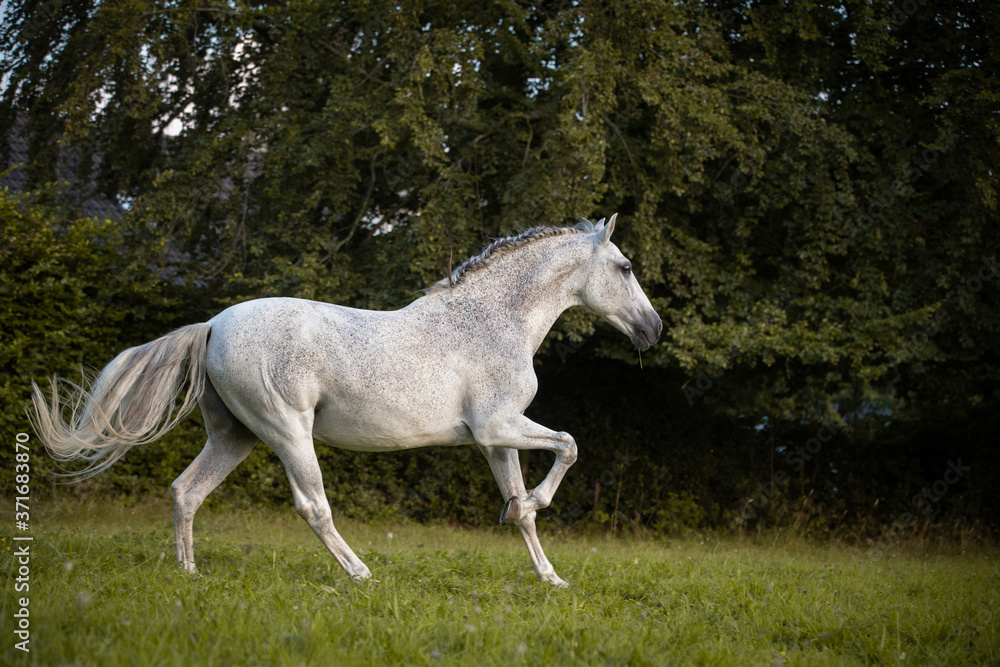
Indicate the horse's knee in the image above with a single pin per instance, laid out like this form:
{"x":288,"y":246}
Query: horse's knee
{"x":541,"y":500}
{"x":569,"y":454}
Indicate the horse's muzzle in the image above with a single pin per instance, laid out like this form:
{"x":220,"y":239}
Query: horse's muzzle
{"x":648,"y":332}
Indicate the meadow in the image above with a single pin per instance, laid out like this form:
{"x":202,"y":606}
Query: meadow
{"x":104,"y":590}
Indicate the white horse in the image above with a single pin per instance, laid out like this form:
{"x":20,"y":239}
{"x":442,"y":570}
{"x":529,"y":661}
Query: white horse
{"x":452,"y":368}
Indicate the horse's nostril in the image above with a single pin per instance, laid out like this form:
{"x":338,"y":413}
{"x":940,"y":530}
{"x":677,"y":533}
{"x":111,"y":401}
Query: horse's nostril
{"x":659,"y":328}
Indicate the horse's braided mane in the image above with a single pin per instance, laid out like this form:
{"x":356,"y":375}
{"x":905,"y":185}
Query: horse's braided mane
{"x":504,"y":245}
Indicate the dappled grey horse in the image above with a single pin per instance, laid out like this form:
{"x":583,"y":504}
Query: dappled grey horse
{"x":452,"y":368}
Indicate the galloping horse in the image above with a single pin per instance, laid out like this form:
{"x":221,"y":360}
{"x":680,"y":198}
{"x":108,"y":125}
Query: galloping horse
{"x":452,"y":368}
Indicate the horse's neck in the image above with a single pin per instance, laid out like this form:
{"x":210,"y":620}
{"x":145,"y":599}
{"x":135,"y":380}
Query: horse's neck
{"x":525,"y":293}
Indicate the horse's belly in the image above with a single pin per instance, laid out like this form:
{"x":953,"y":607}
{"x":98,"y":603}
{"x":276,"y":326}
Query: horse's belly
{"x":385,"y":431}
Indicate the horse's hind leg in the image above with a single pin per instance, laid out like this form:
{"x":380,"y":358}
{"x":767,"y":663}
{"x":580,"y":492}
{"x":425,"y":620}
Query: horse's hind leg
{"x":229,"y":442}
{"x":504,"y":464}
{"x":312,"y":504}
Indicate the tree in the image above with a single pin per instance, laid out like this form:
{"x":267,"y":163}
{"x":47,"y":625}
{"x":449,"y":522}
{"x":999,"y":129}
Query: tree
{"x":807,"y":188}
{"x":69,"y":291}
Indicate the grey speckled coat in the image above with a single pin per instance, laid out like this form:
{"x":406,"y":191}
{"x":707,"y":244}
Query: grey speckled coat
{"x":452,"y":368}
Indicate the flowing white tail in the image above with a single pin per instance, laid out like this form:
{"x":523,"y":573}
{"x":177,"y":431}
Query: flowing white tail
{"x":132,"y":402}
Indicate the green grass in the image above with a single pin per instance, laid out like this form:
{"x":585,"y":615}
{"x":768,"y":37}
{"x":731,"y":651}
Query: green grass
{"x":105,"y":591}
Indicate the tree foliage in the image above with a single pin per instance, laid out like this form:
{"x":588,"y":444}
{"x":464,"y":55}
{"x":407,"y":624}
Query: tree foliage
{"x":807,"y":188}
{"x":69,"y":291}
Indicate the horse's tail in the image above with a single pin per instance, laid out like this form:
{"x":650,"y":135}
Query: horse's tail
{"x":132,"y":402}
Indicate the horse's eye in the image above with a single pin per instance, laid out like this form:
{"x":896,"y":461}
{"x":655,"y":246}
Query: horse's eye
{"x":627,"y":267}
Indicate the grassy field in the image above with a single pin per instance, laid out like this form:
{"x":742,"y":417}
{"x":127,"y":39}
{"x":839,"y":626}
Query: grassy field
{"x":105,"y":591}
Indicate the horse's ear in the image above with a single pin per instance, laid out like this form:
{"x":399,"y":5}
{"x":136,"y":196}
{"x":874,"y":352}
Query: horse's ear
{"x":606,"y":232}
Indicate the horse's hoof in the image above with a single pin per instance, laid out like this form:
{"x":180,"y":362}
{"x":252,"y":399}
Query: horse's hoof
{"x":511,"y":511}
{"x":553,"y":578}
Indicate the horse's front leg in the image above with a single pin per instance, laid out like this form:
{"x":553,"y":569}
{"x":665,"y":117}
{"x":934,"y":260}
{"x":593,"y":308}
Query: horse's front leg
{"x":503,"y":462}
{"x":522,"y":433}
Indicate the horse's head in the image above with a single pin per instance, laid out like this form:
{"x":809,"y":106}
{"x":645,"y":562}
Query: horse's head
{"x":611,"y":291}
